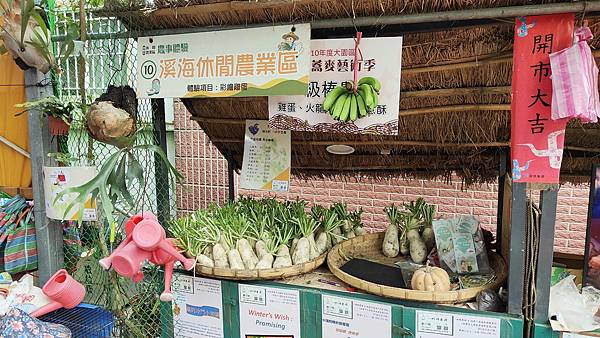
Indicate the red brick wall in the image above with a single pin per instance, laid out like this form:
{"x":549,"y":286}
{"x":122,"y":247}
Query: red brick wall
{"x":195,"y":156}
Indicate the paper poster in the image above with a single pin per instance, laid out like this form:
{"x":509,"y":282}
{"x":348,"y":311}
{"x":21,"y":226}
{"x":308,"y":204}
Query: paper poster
{"x":197,"y":307}
{"x":332,"y":63}
{"x":266,"y":312}
{"x":245,"y":62}
{"x":447,"y":325}
{"x":348,"y":318}
{"x":537,"y":141}
{"x":267,"y":157}
{"x":57,"y":179}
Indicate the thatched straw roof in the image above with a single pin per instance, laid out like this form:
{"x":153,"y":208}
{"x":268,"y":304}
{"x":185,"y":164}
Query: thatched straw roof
{"x":455,"y":100}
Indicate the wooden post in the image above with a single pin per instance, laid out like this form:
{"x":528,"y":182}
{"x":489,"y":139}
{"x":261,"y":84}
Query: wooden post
{"x":48,"y":233}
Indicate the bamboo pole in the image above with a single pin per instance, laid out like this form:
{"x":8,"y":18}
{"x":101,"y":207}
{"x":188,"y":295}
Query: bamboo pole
{"x":229,"y":6}
{"x":455,"y":91}
{"x":405,"y":112}
{"x":454,"y":108}
{"x":386,"y":142}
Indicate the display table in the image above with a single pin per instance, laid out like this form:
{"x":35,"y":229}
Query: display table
{"x":316,"y":305}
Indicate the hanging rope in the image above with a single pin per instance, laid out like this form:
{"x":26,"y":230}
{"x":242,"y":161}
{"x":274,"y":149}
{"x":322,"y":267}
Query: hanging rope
{"x":357,"y":51}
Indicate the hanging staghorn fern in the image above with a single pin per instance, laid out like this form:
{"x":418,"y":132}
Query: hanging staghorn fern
{"x":122,"y":169}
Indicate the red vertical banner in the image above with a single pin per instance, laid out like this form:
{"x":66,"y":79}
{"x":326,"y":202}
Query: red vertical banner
{"x":537,"y":141}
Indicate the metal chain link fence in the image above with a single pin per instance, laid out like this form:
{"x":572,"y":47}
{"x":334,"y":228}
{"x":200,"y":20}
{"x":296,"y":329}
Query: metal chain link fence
{"x":110,"y":59}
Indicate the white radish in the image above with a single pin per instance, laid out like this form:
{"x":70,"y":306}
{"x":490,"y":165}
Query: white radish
{"x":336,"y":236}
{"x":208,"y":252}
{"x":283,"y":259}
{"x":294,"y":243}
{"x":313,"y":251}
{"x":350,"y":234}
{"x":220,"y":256}
{"x":205,"y":260}
{"x":248,"y":256}
{"x":359,"y":231}
{"x":261,"y":248}
{"x":391,"y":245}
{"x":224,"y":244}
{"x":235,"y":259}
{"x":301,"y":253}
{"x":265,"y":262}
{"x":321,"y":243}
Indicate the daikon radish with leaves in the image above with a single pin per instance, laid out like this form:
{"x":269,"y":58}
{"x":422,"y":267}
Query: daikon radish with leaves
{"x":307,"y":226}
{"x":271,"y":247}
{"x":391,"y":244}
{"x":284,"y":234}
{"x":220,"y":256}
{"x":283,"y":259}
{"x":248,"y":256}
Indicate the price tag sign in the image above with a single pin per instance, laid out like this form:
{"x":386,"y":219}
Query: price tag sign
{"x":269,"y":312}
{"x":344,"y":318}
{"x":197,"y":307}
{"x":267,"y":157}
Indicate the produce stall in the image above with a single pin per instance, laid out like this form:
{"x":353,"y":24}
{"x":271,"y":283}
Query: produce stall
{"x":454,"y":119}
{"x":446,"y":69}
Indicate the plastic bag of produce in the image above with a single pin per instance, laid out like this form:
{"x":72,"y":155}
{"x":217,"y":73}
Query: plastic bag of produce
{"x":460,"y":245}
{"x":571,"y":311}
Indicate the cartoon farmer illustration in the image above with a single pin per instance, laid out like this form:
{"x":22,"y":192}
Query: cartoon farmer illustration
{"x":290,"y":42}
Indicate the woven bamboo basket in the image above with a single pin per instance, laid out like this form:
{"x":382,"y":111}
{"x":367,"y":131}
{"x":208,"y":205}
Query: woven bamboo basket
{"x":262,"y":274}
{"x":369,"y":247}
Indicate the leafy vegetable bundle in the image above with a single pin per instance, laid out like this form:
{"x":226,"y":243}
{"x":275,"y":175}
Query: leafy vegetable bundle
{"x":410,"y":231}
{"x":253,"y":234}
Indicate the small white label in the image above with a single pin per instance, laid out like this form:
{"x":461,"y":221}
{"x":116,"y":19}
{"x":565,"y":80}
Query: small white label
{"x":279,"y":186}
{"x":89,"y":214}
{"x":183,"y":284}
{"x":337,"y":306}
{"x":253,"y":295}
{"x":445,"y":325}
{"x":435,"y":322}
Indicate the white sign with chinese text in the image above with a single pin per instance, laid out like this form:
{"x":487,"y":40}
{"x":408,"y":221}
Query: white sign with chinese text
{"x":245,"y":62}
{"x":344,"y":317}
{"x":57,"y":179}
{"x":197,"y":307}
{"x":332,"y":63}
{"x":446,"y":325}
{"x":269,"y":311}
{"x":267,"y":157}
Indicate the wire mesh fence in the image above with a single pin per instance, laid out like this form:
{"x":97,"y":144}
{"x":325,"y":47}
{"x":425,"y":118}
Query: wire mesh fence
{"x":110,"y":59}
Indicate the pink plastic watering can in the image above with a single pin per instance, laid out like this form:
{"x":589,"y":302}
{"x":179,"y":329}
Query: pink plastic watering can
{"x":146,"y":240}
{"x":63,"y":290}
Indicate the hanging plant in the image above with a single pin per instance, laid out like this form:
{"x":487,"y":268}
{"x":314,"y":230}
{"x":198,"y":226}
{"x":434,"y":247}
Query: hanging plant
{"x":59,"y":112}
{"x":112,"y":120}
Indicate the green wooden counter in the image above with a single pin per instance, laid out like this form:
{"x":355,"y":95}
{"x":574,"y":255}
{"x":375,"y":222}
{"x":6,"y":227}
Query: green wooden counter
{"x":312,"y":295}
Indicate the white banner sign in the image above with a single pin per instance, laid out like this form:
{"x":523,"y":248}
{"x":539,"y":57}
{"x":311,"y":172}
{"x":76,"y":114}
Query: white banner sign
{"x":197,"y":307}
{"x":267,"y":157}
{"x":332,"y":63}
{"x":245,"y":62}
{"x":447,"y":325}
{"x":269,"y":311}
{"x":57,"y":179}
{"x":345,"y":317}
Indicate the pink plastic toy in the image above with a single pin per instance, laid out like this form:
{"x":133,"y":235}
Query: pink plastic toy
{"x":63,"y":290}
{"x":146,"y":240}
